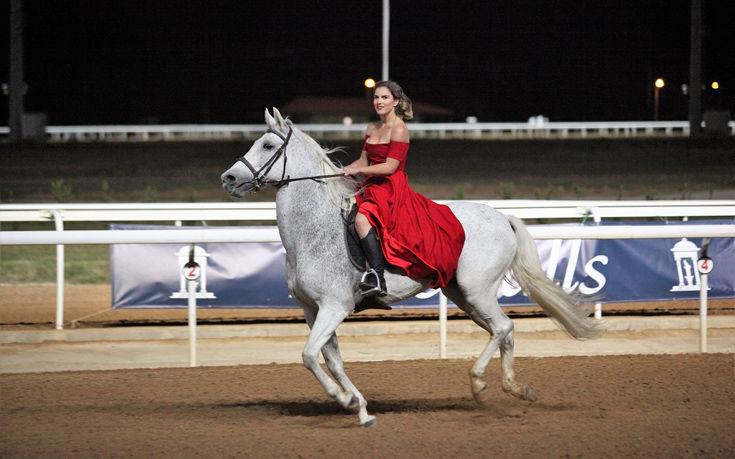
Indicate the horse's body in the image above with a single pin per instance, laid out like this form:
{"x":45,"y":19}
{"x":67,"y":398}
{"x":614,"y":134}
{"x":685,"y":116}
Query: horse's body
{"x":324,"y":282}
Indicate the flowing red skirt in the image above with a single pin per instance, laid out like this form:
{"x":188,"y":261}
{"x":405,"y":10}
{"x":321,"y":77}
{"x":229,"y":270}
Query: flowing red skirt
{"x":419,"y":236}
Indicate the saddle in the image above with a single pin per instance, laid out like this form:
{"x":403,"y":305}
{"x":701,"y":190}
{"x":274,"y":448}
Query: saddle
{"x":357,"y":257}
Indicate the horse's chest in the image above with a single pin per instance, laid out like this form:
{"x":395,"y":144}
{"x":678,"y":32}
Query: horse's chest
{"x":311,"y":273}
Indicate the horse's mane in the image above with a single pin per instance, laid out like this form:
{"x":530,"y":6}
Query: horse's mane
{"x":340,"y":189}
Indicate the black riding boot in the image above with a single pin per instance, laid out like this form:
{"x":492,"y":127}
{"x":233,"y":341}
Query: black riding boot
{"x":373,"y":281}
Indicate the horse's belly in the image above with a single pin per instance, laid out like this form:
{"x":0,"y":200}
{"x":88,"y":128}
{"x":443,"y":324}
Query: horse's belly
{"x":401,"y":287}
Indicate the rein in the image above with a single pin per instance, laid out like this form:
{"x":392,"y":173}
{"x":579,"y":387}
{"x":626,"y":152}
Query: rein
{"x":259,"y":179}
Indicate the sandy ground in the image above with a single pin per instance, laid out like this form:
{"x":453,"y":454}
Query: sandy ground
{"x":34,"y":306}
{"x":603,"y":406}
{"x":614,"y":406}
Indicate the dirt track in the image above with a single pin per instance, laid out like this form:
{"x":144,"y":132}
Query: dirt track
{"x":623,"y":406}
{"x":34,"y":305}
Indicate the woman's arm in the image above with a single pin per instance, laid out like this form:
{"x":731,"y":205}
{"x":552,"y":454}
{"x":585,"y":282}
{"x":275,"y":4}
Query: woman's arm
{"x":387,"y":168}
{"x":359,"y":162}
{"x":399,"y":133}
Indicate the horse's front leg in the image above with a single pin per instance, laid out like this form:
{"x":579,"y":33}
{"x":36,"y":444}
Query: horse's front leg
{"x":323,"y":329}
{"x":333,"y":358}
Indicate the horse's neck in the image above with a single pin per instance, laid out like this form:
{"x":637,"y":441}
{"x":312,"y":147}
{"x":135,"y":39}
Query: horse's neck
{"x":305,"y":213}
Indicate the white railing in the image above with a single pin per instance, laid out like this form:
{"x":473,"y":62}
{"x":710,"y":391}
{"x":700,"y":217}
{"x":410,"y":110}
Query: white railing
{"x":259,"y":211}
{"x":418,"y":130}
{"x":266,"y":211}
{"x":245,"y":234}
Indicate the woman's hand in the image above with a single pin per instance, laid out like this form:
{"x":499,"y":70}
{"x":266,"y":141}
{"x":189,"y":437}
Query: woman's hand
{"x":351,"y":170}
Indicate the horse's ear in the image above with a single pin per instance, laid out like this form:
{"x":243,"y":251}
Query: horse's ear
{"x":269,"y":120}
{"x":279,"y":119}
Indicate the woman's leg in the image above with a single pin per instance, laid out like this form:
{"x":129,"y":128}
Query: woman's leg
{"x":362,"y":225}
{"x":371,"y":284}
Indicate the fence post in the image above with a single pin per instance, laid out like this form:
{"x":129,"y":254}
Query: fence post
{"x":442,"y":325}
{"x":192,"y":321}
{"x":59,"y":223}
{"x":704,"y":265}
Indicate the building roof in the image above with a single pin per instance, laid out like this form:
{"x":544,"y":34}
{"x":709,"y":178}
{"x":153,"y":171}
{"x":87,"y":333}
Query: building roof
{"x":344,"y":106}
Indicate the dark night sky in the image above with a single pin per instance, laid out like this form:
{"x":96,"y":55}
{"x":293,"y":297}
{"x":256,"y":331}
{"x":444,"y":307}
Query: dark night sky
{"x":114,"y":62}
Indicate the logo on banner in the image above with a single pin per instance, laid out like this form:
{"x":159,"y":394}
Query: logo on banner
{"x":686,"y":254}
{"x":558,"y":250}
{"x":196,"y":271}
{"x":591,"y":268}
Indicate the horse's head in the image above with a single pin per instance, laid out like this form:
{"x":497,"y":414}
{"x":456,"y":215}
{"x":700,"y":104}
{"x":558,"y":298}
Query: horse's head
{"x":264,"y":163}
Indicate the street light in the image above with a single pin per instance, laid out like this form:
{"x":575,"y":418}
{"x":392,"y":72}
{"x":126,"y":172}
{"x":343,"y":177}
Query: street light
{"x":369,"y":85}
{"x":659,"y":83}
{"x":715,"y":85}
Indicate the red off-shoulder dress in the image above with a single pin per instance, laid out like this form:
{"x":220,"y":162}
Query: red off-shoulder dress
{"x":419,"y":236}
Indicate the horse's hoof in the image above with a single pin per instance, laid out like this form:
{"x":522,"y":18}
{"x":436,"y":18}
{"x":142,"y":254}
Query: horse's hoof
{"x":481,"y":395}
{"x":529,"y":393}
{"x":346,"y":400}
{"x":354,"y":403}
{"x":369,"y":422}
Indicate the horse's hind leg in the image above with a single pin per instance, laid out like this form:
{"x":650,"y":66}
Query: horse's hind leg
{"x":510,"y":385}
{"x":484,"y":310}
{"x":323,"y":338}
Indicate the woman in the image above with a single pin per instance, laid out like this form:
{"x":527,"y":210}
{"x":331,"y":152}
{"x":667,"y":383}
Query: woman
{"x":394,"y":223}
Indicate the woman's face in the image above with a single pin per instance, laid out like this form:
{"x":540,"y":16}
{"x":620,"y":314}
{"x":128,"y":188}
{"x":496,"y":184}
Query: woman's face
{"x":383,"y":101}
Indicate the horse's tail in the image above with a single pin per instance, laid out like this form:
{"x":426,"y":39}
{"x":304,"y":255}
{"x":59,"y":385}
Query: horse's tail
{"x":562,"y":307}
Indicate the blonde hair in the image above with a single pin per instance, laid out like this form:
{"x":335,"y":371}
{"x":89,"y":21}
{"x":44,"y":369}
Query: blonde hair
{"x":404,"y":109}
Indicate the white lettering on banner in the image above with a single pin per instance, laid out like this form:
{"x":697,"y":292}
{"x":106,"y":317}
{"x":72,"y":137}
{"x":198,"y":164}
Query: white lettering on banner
{"x":553,"y":258}
{"x":596,"y":275}
{"x":572,"y":266}
{"x":509,"y":289}
{"x":428,"y":293}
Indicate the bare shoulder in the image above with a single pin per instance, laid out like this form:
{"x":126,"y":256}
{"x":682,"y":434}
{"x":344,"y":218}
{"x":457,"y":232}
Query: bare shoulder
{"x":372,"y":127}
{"x":399,"y":133}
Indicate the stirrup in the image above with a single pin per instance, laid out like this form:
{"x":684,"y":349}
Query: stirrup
{"x":368,"y":288}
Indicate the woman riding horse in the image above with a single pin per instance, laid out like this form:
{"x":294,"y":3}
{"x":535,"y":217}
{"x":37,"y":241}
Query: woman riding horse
{"x":395,"y":223}
{"x":419,"y":237}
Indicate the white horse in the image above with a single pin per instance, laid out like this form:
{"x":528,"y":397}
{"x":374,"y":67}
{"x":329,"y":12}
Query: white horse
{"x":310,"y":203}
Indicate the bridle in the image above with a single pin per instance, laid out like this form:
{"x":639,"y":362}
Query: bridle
{"x":259,"y":180}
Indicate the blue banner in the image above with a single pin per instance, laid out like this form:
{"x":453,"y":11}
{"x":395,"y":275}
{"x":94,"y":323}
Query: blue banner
{"x":252,"y":275}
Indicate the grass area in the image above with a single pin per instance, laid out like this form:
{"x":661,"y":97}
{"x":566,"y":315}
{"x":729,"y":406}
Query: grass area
{"x":83,"y":264}
{"x":620,"y":168}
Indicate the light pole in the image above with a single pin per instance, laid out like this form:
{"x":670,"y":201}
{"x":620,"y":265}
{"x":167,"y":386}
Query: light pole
{"x":15,"y":83}
{"x":658,"y":85}
{"x":386,"y":37}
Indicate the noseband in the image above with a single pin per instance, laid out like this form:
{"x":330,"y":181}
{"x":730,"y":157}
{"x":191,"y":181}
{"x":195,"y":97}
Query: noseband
{"x":259,"y":180}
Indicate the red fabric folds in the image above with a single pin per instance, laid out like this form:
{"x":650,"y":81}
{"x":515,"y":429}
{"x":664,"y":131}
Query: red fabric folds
{"x":419,"y":236}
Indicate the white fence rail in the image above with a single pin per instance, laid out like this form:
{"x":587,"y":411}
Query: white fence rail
{"x":115,"y":133}
{"x":266,"y":211}
{"x":245,"y":234}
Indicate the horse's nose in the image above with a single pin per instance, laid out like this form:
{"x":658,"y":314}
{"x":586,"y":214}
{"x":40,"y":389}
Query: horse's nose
{"x":228,"y":178}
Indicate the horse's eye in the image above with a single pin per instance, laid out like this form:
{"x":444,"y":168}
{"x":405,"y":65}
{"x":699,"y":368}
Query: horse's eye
{"x":268,"y":146}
